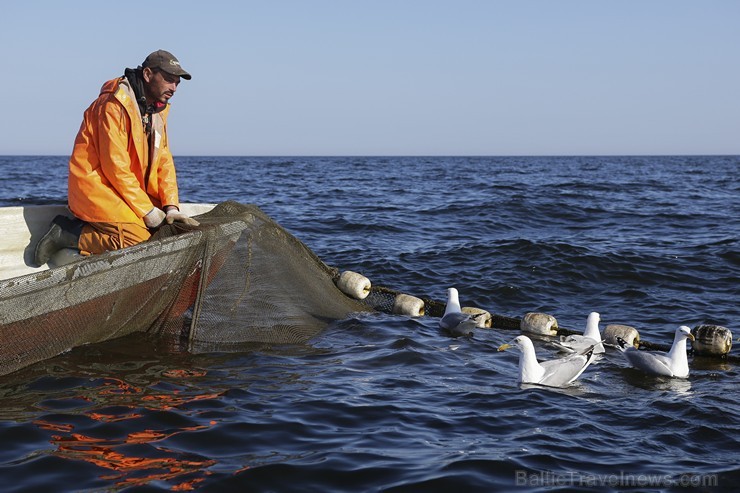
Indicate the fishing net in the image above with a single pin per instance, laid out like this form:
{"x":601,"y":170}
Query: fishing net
{"x":237,"y":278}
{"x":263,"y":284}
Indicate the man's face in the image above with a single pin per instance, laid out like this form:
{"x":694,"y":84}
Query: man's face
{"x":159,"y":86}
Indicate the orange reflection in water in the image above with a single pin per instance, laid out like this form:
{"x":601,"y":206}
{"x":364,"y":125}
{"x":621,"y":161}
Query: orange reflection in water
{"x":47,"y":425}
{"x":181,"y":373}
{"x":132,"y":470}
{"x":112,"y":418}
{"x":123,"y":393}
{"x":127,"y":469}
{"x":116,"y":386}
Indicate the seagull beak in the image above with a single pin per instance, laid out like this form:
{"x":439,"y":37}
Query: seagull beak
{"x":691,"y":337}
{"x":504,"y":347}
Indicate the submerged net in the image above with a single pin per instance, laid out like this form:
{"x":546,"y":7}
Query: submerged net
{"x":264,"y":284}
{"x":237,"y":278}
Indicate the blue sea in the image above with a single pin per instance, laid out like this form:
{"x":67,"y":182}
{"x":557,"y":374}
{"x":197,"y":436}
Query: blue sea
{"x":389,"y":403}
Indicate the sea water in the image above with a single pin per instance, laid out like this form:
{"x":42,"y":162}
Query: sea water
{"x":389,"y":403}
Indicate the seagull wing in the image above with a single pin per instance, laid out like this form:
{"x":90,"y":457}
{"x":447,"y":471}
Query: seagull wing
{"x":457,"y":323}
{"x":562,"y":371}
{"x":653,"y":363}
{"x":578,"y":344}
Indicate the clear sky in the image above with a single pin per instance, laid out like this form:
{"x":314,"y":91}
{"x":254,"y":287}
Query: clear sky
{"x":388,"y":77}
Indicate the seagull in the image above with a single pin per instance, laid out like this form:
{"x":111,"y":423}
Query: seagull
{"x":671,"y":364}
{"x":591,"y":337}
{"x":553,"y":373}
{"x":454,"y":320}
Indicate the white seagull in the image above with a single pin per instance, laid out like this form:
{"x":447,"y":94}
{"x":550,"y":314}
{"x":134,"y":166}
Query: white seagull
{"x":553,"y":373}
{"x":454,"y":320}
{"x":591,"y":337}
{"x":671,"y":364}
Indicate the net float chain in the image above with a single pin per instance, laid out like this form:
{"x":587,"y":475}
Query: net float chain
{"x":358,"y":287}
{"x":709,"y":340}
{"x":411,"y":306}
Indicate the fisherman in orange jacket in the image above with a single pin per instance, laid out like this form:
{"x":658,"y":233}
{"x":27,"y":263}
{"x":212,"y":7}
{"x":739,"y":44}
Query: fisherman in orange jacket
{"x":122,"y":182}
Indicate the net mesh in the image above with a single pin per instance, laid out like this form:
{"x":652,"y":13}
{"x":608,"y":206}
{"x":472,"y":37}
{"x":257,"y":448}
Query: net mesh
{"x":264,"y":285}
{"x":237,"y":278}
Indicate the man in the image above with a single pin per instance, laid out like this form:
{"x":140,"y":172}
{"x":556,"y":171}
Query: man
{"x":122,"y":183}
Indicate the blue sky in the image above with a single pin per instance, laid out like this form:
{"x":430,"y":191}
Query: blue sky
{"x":397,"y":77}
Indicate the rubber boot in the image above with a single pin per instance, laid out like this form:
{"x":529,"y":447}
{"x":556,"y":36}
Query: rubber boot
{"x":63,"y":233}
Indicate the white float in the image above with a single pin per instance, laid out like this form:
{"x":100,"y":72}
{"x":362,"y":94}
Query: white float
{"x":408,"y":305}
{"x":711,"y":340}
{"x":626,"y":332}
{"x":539,"y":323}
{"x":354,"y":285}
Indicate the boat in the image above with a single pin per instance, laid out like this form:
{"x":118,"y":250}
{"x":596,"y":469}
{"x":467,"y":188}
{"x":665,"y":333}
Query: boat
{"x":237,"y":278}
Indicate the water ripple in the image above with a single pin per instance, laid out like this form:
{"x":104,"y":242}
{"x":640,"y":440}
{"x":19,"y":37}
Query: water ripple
{"x":388,"y":403}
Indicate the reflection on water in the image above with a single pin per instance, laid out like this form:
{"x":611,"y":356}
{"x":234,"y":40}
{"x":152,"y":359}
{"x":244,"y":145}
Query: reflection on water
{"x":128,"y":469}
{"x":120,"y":424}
{"x":705,"y":363}
{"x":643,"y":381}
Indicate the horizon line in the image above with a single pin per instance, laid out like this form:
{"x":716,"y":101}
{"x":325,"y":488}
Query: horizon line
{"x":409,"y":155}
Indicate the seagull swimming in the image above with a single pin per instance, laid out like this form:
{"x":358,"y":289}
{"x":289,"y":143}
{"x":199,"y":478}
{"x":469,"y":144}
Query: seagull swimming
{"x":591,"y":337}
{"x":553,"y":373}
{"x":454,"y":321}
{"x":671,"y":364}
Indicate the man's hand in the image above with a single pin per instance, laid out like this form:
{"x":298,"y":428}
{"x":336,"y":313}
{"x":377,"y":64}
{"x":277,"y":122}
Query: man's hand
{"x":175,"y":215}
{"x":154,"y":218}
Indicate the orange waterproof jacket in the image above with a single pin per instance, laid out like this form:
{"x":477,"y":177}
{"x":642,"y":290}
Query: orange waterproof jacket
{"x":109,"y":176}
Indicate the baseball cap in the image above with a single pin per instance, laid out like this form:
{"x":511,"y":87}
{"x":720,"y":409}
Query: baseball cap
{"x":165,"y":61}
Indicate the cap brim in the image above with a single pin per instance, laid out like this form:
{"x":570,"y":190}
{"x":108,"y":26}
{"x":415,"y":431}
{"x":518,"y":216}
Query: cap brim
{"x":180,"y":73}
